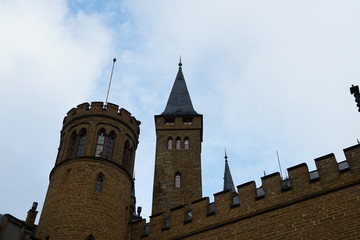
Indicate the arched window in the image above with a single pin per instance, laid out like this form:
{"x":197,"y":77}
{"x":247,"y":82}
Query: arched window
{"x":177,"y":180}
{"x":186,"y":143}
{"x":100,"y":143}
{"x":126,"y":156}
{"x":178,"y":143}
{"x":109,"y":145}
{"x":81,"y":144}
{"x":170,"y":143}
{"x":131,"y":161}
{"x":90,"y":237}
{"x":72,"y":143}
{"x":99,"y":183}
{"x":59,"y":150}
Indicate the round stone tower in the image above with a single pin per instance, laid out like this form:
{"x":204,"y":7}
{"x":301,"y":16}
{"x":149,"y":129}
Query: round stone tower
{"x":89,"y":195}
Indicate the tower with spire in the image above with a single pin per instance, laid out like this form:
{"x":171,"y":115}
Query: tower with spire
{"x":179,"y":129}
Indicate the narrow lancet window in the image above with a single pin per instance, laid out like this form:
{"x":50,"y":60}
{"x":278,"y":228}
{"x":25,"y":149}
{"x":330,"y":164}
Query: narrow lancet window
{"x":178,"y":143}
{"x":99,"y":183}
{"x":177,"y":180}
{"x":81,"y":144}
{"x":186,"y":143}
{"x":100,"y":144}
{"x":131,"y":159}
{"x":72,"y":143}
{"x":109,"y":145}
{"x":126,"y":156}
{"x":169,"y":143}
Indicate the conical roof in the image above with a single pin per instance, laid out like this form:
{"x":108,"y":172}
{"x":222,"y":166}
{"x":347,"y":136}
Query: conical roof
{"x":179,"y":102}
{"x":228,"y":181}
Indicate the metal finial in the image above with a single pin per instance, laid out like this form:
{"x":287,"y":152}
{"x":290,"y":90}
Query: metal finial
{"x":180,"y":64}
{"x":225,"y":156}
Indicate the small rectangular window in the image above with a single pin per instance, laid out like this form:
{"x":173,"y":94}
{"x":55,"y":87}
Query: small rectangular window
{"x":187,"y":121}
{"x":169,"y":121}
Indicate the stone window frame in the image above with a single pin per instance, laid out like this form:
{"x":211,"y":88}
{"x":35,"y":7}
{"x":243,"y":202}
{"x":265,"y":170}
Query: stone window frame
{"x":178,"y":143}
{"x":177,"y":180}
{"x":100,"y":143}
{"x":80,"y":148}
{"x":71,"y":144}
{"x":186,"y":143}
{"x":109,"y":144}
{"x":100,"y":177}
{"x":169,"y":143}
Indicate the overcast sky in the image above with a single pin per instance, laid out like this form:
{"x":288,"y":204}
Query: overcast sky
{"x":267,"y":76}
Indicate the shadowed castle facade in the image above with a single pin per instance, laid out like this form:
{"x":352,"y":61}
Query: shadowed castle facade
{"x":91,"y":190}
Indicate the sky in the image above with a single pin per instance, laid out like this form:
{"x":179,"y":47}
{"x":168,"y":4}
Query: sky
{"x":267,"y":76}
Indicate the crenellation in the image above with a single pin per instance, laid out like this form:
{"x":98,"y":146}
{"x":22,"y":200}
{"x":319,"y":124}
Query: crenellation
{"x":83,"y":107}
{"x":247,"y":194}
{"x":286,"y":185}
{"x":199,"y":209}
{"x":138,"y":227}
{"x":299,"y":176}
{"x":156,"y":224}
{"x":271,"y":184}
{"x":211,"y":209}
{"x":110,"y":110}
{"x":314,"y":176}
{"x":352,"y":155}
{"x":124,"y":112}
{"x":177,"y":216}
{"x":97,"y":106}
{"x":223,"y":201}
{"x":300,"y":188}
{"x":327,"y":167}
{"x":343,"y":166}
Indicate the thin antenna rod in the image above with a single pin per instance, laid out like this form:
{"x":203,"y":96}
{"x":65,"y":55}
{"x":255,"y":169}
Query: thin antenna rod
{"x":112,"y":71}
{"x":277,"y":154}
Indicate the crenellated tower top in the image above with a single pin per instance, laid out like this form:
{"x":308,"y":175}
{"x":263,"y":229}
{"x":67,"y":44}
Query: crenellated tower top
{"x":109,"y":110}
{"x":93,"y":174}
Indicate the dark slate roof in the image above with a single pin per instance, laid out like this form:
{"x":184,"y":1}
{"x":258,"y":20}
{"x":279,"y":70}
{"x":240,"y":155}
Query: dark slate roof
{"x":179,"y":102}
{"x":228,"y":181}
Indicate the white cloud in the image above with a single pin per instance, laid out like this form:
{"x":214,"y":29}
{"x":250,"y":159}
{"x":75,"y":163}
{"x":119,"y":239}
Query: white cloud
{"x":267,"y":75}
{"x":49,"y":61}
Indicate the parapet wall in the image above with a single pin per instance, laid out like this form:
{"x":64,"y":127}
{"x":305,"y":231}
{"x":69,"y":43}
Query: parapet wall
{"x":109,"y":110}
{"x":302,"y":191}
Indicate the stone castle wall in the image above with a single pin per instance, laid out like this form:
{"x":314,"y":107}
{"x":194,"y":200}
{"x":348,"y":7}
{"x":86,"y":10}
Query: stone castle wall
{"x":323,"y":204}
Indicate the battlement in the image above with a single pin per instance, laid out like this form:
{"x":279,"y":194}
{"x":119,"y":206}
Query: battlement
{"x":99,"y":108}
{"x":274,"y":193}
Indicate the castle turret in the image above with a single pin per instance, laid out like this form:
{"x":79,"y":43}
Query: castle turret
{"x":177,"y":177}
{"x":89,"y":195}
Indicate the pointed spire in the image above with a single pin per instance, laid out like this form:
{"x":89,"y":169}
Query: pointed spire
{"x":179,"y":102}
{"x":228,"y":181}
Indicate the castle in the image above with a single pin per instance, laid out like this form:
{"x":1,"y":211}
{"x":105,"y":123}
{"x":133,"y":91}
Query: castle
{"x":91,"y":191}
